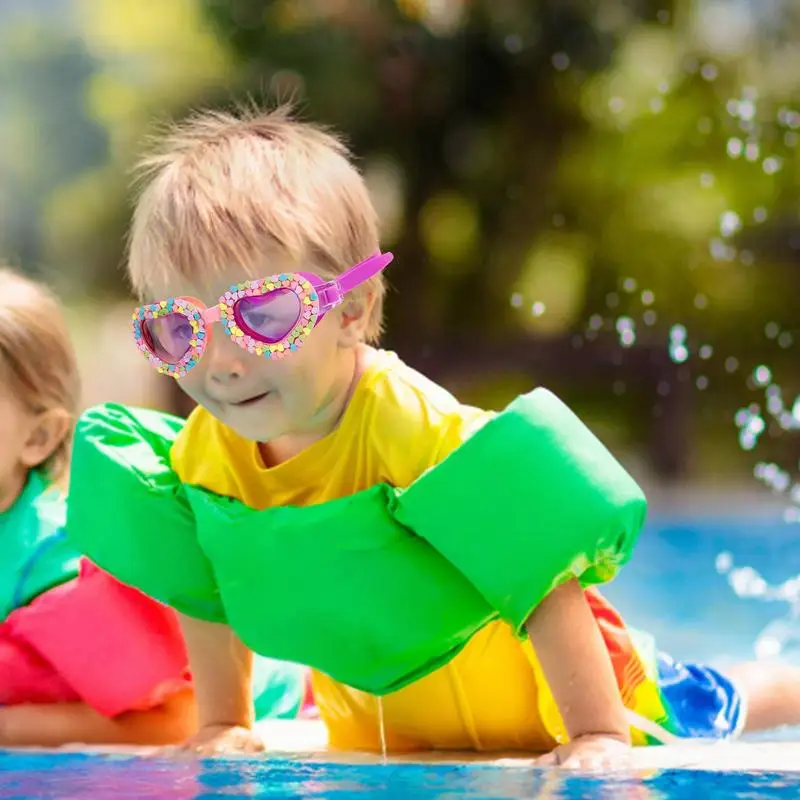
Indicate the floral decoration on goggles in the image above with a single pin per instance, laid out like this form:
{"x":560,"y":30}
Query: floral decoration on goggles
{"x":270,"y":317}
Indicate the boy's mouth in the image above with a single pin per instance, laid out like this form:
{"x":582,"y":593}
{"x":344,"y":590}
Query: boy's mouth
{"x":250,"y":401}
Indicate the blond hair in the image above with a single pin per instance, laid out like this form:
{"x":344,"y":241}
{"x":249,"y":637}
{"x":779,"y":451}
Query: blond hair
{"x":36,"y":356}
{"x":221,"y":188}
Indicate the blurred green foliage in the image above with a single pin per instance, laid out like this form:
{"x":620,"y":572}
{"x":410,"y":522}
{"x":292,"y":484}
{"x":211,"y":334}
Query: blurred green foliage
{"x":543,"y":169}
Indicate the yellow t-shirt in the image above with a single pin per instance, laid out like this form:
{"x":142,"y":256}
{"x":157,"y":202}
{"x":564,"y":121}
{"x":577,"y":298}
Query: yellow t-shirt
{"x":397,"y":425}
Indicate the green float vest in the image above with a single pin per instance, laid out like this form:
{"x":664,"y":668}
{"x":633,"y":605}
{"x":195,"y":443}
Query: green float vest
{"x":377,"y":589}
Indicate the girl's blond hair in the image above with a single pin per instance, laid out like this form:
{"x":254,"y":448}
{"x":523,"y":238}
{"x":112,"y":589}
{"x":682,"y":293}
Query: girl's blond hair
{"x":37,"y":361}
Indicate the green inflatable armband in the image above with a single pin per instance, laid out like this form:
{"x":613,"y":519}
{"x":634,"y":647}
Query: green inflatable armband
{"x":377,"y":589}
{"x":531,"y":500}
{"x":128,"y":511}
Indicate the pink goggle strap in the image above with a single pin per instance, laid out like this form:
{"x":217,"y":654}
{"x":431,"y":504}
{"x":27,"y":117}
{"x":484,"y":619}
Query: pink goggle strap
{"x":362,"y":272}
{"x":331,"y":292}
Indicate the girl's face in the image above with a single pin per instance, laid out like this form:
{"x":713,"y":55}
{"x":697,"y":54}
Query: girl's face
{"x":16,"y":427}
{"x":27,"y":439}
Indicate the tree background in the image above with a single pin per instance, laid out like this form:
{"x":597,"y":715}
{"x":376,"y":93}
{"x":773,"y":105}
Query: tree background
{"x":599,"y":197}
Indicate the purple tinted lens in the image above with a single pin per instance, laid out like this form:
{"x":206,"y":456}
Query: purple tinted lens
{"x":168,"y":337}
{"x":268,"y":317}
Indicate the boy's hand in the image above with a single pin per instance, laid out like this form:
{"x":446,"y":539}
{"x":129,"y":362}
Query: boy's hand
{"x":220,"y":740}
{"x":221,"y":671}
{"x":577,"y":665}
{"x":590,"y":752}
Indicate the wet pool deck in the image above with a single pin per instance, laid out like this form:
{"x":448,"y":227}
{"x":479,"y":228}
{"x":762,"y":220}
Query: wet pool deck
{"x":306,"y":740}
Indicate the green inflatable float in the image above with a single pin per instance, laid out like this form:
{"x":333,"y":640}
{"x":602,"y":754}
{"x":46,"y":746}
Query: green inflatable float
{"x":377,"y":589}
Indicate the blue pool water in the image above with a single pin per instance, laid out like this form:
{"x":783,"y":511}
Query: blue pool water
{"x":76,"y":777}
{"x":671,"y":588}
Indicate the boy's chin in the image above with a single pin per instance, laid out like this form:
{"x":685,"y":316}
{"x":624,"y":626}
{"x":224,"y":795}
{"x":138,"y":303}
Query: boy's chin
{"x":260,"y":433}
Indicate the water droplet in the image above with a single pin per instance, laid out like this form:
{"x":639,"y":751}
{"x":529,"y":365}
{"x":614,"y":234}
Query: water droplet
{"x":612,"y":300}
{"x":701,"y":301}
{"x":767,"y":648}
{"x":678,"y":353}
{"x":706,"y":180}
{"x":627,"y":331}
{"x":752,"y":151}
{"x":762,"y":375}
{"x":731,"y":364}
{"x":705,"y":352}
{"x":656,"y":104}
{"x":746,"y":109}
{"x":629,"y":285}
{"x":648,"y":298}
{"x":516,"y":300}
{"x":734,"y":147}
{"x":538,"y":308}
{"x":774,"y":402}
{"x":709,"y":72}
{"x":595,"y":322}
{"x":729,"y":223}
{"x":677,"y":333}
{"x":785,"y":340}
{"x":705,"y":125}
{"x":771,"y":330}
{"x":702,"y":382}
{"x":788,"y":117}
{"x":760,"y":214}
{"x":771,"y":165}
{"x":720,"y":251}
{"x":560,"y":61}
{"x":650,"y":317}
{"x":724,"y":562}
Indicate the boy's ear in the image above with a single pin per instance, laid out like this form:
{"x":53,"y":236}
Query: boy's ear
{"x":354,"y":316}
{"x":48,"y":431}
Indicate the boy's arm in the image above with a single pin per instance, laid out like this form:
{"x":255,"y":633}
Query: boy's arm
{"x":222,"y":669}
{"x":57,"y":724}
{"x":578,"y":669}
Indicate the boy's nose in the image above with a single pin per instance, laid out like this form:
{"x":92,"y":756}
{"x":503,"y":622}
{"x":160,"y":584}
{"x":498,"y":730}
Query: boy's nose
{"x":225,"y":361}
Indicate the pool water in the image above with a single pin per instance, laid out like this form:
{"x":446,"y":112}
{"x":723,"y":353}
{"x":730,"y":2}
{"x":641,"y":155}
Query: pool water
{"x":80,"y":777}
{"x":671,"y":588}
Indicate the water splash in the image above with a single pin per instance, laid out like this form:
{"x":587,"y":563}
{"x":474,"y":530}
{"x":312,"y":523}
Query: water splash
{"x":782,"y":634}
{"x":626,"y":328}
{"x":678,"y":351}
{"x":630,"y":313}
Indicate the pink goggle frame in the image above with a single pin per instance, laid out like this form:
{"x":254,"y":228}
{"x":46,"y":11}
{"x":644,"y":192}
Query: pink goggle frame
{"x":270,"y":317}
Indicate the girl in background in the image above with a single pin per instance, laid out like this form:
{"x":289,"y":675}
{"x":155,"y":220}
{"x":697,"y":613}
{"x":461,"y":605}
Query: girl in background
{"x":82,"y":657}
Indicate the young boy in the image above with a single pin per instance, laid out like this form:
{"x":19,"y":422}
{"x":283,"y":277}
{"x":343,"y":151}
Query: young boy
{"x":231,"y":198}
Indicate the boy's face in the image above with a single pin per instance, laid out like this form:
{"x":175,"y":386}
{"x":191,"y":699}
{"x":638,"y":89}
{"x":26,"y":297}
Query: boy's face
{"x":264,"y":399}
